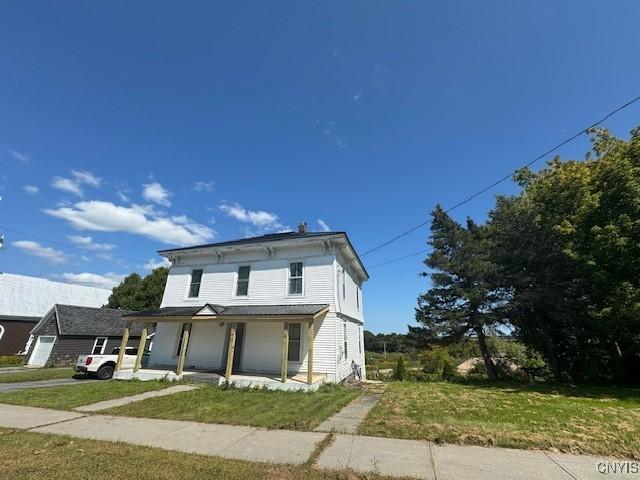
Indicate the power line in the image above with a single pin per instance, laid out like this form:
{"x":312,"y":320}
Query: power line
{"x":425,"y":250}
{"x":502,"y":179}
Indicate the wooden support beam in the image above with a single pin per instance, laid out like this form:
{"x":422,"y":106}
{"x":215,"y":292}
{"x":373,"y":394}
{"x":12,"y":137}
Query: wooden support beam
{"x":310,"y":334}
{"x":123,"y":346}
{"x":285,"y":353}
{"x":230,"y":351}
{"x":141,"y":345}
{"x":183,"y":350}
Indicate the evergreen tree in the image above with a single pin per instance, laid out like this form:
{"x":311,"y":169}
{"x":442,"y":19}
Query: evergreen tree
{"x":137,"y":293}
{"x":462,"y":300}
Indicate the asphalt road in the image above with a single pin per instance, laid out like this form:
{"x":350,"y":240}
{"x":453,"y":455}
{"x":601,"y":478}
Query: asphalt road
{"x":11,"y":387}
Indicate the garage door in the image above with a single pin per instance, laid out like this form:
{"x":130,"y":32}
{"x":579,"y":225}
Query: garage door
{"x":41,"y":352}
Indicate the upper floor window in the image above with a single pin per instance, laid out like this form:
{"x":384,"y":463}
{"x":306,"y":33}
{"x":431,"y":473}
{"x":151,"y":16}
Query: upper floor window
{"x":196,"y":279}
{"x":242,"y":288}
{"x":344,"y":283}
{"x":357,"y":297}
{"x":295,"y":278}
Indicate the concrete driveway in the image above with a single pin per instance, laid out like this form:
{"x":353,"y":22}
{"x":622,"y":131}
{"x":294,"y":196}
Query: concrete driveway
{"x":11,"y":387}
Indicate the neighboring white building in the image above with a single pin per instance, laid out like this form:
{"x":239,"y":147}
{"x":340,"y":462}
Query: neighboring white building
{"x":295,"y":295}
{"x":24,"y":301}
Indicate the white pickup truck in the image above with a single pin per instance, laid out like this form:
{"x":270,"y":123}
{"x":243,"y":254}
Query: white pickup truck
{"x":103,"y":366}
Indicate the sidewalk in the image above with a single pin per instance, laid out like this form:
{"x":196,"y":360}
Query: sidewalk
{"x":385,"y":456}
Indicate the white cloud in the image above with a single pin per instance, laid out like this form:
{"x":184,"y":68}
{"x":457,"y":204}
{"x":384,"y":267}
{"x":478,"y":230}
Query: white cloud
{"x":87,"y":243}
{"x":107,"y":280}
{"x":358,"y":95}
{"x":51,"y":255}
{"x":22,"y":157}
{"x":31,"y":189}
{"x":88,"y":178}
{"x":153,"y":264}
{"x":140,"y":220}
{"x":67,"y":185}
{"x":204,"y":186}
{"x":262,"y":221}
{"x":323,"y":225}
{"x":156,"y":193}
{"x":122,"y":196}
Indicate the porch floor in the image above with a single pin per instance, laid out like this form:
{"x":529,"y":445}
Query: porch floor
{"x":241,"y":379}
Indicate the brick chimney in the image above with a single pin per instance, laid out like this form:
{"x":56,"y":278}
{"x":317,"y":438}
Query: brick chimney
{"x":302,"y":227}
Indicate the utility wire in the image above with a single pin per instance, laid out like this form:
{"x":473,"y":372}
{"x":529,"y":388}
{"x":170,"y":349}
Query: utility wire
{"x":415,"y":254}
{"x":499,"y":181}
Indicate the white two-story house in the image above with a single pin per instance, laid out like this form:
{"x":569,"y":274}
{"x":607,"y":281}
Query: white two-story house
{"x":283,"y":310}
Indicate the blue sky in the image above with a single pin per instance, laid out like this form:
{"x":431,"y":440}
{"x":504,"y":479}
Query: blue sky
{"x":126,"y":127}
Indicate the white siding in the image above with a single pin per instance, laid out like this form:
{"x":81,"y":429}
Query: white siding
{"x":348,"y":304}
{"x":353,"y":352}
{"x":262,"y":347}
{"x":165,"y":343}
{"x":267,"y":283}
{"x":206,"y":345}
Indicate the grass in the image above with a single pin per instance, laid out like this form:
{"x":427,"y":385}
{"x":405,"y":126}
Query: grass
{"x":28,"y":455}
{"x":37,"y":374}
{"x":69,"y":396}
{"x":584,"y":420}
{"x":10,"y":361}
{"x":259,"y":408}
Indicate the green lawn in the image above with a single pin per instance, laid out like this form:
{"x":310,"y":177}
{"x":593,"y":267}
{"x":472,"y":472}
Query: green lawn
{"x":27,"y":455}
{"x":591,"y":420}
{"x":69,"y":396}
{"x":36,"y":374}
{"x":260,"y":408}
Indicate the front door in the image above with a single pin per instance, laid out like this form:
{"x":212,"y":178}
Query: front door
{"x":237,"y":353}
{"x":42,"y":350}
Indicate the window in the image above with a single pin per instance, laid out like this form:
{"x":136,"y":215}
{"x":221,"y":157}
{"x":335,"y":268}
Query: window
{"x":344,"y":283}
{"x":344,"y":334}
{"x":196,"y":279}
{"x":98,"y":346}
{"x":185,"y":326}
{"x":242,"y":289}
{"x":295,"y":278}
{"x":294,"y":342}
{"x":360,"y":340}
{"x":357,"y":297}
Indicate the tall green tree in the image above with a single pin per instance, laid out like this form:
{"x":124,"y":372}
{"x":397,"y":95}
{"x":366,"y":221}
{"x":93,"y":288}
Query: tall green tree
{"x":462,"y":300}
{"x":137,"y":293}
{"x":569,"y":250}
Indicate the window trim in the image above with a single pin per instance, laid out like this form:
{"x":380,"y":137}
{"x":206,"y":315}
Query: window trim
{"x":344,"y":283}
{"x":190,"y":283}
{"x":237,"y":281}
{"x":1,"y":331}
{"x":358,"y":297}
{"x":288,"y":284}
{"x":299,"y":343}
{"x":102,"y":349}
{"x":344,"y":339}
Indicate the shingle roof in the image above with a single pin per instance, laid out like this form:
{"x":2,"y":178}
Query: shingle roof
{"x":234,"y":310}
{"x":73,"y":320}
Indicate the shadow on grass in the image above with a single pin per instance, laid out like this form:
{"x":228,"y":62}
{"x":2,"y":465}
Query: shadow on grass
{"x":568,"y":390}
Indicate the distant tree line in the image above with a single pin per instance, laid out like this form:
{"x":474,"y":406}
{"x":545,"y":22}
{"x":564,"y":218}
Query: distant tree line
{"x":389,"y":342}
{"x":557,"y":264}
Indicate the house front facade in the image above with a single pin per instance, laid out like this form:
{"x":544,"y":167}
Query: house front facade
{"x":287,"y":305}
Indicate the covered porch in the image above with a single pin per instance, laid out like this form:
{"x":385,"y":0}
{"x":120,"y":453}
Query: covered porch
{"x":248,"y":346}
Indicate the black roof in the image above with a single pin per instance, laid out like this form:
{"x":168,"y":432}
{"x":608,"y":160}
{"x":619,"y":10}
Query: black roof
{"x":108,"y":322}
{"x":19,"y":318}
{"x":234,"y":310}
{"x":271,"y":237}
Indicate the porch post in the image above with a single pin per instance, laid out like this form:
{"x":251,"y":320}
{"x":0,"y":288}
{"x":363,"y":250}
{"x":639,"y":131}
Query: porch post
{"x":123,"y":345}
{"x":285,"y":353}
{"x":141,"y":345}
{"x":230,"y":351}
{"x":310,"y":353}
{"x":183,"y":350}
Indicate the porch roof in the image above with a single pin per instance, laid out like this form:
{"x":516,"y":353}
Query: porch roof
{"x":211,"y":310}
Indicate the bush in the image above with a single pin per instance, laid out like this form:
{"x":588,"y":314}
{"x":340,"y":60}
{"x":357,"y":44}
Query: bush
{"x":439,"y":363}
{"x":400,"y":373}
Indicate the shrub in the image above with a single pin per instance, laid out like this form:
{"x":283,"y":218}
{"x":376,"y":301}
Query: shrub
{"x":400,"y":373}
{"x":438,"y":362}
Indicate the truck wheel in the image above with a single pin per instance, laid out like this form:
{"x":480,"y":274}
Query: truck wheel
{"x":105,"y":372}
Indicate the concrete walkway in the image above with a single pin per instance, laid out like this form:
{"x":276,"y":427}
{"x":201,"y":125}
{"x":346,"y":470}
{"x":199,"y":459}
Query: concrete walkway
{"x":350,"y":417}
{"x":117,"y":402}
{"x":393,"y":457}
{"x":13,"y":386}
